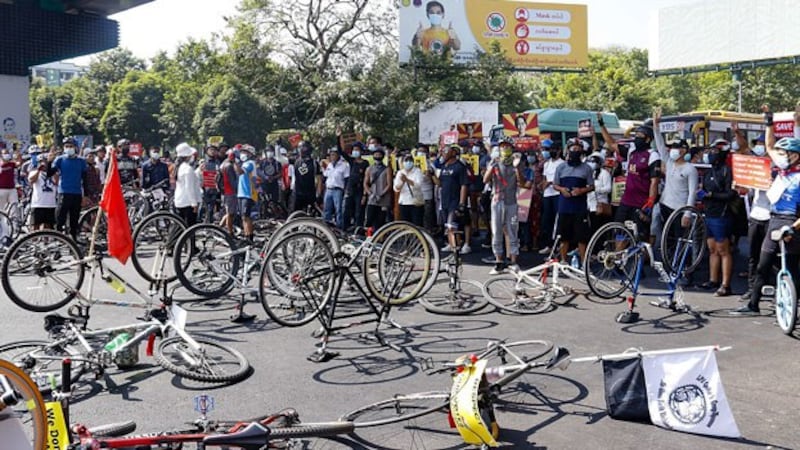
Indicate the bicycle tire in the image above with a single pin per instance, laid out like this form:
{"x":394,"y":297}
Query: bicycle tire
{"x":30,"y":402}
{"x":161,"y":230}
{"x":39,"y":369}
{"x":33,"y":254}
{"x":113,"y":429}
{"x":442,"y":300}
{"x":696,"y":236}
{"x":6,"y":230}
{"x":786,"y":303}
{"x":201,"y":370}
{"x":509,"y":294}
{"x":294,"y":299}
{"x":398,"y":245}
{"x":601,"y":260}
{"x":86,"y":222}
{"x":398,"y":409}
{"x":305,"y":225}
{"x":436,"y":258}
{"x":192,"y":257}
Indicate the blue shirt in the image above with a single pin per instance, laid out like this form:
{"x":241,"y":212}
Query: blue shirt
{"x":246,"y":188}
{"x":788,"y":203}
{"x":573,"y":177}
{"x":154,"y":173}
{"x":71,"y":172}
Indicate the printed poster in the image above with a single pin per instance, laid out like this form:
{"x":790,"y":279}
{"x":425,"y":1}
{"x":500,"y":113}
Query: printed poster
{"x":470,"y":132}
{"x":523,"y":128}
{"x":752,"y":172}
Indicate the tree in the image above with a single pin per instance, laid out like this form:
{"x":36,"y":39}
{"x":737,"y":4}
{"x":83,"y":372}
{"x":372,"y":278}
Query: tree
{"x":133,"y":108}
{"x":228,"y":109}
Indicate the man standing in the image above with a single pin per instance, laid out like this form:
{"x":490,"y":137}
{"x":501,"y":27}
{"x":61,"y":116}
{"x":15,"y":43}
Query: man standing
{"x":8,"y":187}
{"x":377,"y":188}
{"x":505,"y":175}
{"x":127,"y":165}
{"x":229,"y":182}
{"x":43,"y":196}
{"x":271,"y":170}
{"x":354,"y":190}
{"x":335,"y":173}
{"x":207,"y":172}
{"x":454,"y":183}
{"x":573,"y":181}
{"x":72,"y":170}
{"x":552,"y":157}
{"x":154,"y":170}
{"x":246,"y":192}
{"x":307,"y":183}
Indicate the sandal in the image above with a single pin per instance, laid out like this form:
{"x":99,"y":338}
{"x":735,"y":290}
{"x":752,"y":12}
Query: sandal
{"x":723,"y":291}
{"x":709,"y":285}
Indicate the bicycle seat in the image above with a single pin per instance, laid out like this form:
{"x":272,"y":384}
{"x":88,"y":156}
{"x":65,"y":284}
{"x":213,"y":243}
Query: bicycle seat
{"x":57,"y":321}
{"x":252,"y":437}
{"x":782,"y":232}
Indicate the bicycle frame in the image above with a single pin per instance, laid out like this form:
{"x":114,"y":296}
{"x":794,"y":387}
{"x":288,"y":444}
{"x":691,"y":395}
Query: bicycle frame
{"x":537,"y":276}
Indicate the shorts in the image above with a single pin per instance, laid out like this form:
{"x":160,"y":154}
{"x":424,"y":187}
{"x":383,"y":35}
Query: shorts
{"x":719,"y":228}
{"x":625,"y":213}
{"x":246,"y":206}
{"x":453,"y":219}
{"x":231,"y":204}
{"x":574,"y":228}
{"x":43,"y":216}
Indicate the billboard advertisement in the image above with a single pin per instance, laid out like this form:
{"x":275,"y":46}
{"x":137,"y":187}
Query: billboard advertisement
{"x":531,"y":34}
{"x":708,"y":33}
{"x":15,"y":112}
{"x":444,"y":116}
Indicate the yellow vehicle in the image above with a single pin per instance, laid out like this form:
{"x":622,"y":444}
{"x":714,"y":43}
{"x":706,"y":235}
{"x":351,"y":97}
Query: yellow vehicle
{"x":701,"y":128}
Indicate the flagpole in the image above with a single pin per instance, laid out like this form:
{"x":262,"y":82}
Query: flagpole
{"x":632,"y":354}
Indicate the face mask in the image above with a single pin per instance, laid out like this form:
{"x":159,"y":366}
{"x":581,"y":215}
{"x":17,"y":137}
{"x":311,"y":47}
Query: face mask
{"x":243,"y":157}
{"x":125,"y":151}
{"x":592,"y":164}
{"x":270,"y":155}
{"x":781,"y":161}
{"x":476,"y":150}
{"x":69,"y":151}
{"x":640,"y":143}
{"x":531,"y":159}
{"x":603,"y":153}
{"x":356,"y":154}
{"x":506,"y":153}
{"x":408,"y":165}
{"x":435,"y":19}
{"x":6,"y":156}
{"x":155,"y":156}
{"x":735,"y":146}
{"x":687,"y":157}
{"x":759,"y":150}
{"x":574,"y":158}
{"x":496,"y":154}
{"x":546,"y":154}
{"x":674,"y":154}
{"x":372,"y":147}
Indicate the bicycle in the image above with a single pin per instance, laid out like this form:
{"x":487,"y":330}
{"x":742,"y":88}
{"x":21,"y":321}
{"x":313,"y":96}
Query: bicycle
{"x":615,"y":262}
{"x":532,"y":291}
{"x":154,"y":240}
{"x":476,"y":389}
{"x":675,"y":237}
{"x":456,"y":296}
{"x":23,"y":418}
{"x":785,"y":290}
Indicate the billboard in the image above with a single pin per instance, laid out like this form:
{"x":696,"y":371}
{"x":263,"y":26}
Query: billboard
{"x":708,"y":33}
{"x":443,"y":116}
{"x":15,"y":112}
{"x":523,"y":129}
{"x":531,"y":34}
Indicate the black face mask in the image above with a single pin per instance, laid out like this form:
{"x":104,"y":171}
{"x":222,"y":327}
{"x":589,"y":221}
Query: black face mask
{"x":574,"y":158}
{"x":640,"y":143}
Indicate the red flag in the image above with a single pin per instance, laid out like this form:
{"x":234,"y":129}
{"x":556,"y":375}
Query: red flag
{"x":120,"y":240}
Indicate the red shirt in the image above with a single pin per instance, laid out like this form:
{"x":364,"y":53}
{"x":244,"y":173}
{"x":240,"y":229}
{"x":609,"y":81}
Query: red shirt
{"x":7,"y":180}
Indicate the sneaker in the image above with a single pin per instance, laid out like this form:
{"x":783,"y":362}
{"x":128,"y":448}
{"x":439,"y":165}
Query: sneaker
{"x":545,"y":251}
{"x":744,"y":311}
{"x":746,"y":295}
{"x":664,"y":303}
{"x":486,"y":245}
{"x":497,"y":269}
{"x":466,"y":249}
{"x":513,"y":268}
{"x":723,"y":291}
{"x":488,"y":260}
{"x":445,"y":249}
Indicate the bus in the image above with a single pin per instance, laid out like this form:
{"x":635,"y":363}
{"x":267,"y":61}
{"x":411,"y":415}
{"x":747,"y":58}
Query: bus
{"x":701,"y":128}
{"x":559,"y":125}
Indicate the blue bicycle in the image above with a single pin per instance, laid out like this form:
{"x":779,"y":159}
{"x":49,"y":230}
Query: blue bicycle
{"x":615,"y":262}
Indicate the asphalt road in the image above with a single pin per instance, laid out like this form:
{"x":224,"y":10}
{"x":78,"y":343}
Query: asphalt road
{"x":553,"y":410}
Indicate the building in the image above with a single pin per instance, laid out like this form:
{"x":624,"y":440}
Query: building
{"x":57,"y":73}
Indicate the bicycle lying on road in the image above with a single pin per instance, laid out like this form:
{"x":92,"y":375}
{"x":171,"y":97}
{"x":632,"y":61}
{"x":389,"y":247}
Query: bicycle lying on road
{"x":23,"y":421}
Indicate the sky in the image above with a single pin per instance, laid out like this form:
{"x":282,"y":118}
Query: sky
{"x":162,"y":24}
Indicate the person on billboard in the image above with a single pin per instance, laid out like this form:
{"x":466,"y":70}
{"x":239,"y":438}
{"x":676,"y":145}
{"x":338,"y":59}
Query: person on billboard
{"x":522,"y":125}
{"x":436,"y":39}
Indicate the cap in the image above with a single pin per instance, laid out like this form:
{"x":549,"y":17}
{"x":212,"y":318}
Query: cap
{"x":679,"y":144}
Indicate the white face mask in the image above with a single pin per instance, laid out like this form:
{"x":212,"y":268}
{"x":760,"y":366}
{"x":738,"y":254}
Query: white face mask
{"x":408,"y":165}
{"x":270,"y":154}
{"x":674,"y":154}
{"x":243,"y":157}
{"x":495,"y":154}
{"x":435,"y":19}
{"x":759,"y":150}
{"x":735,"y":146}
{"x":69,"y":151}
{"x":7,"y":156}
{"x":372,"y":147}
{"x":476,"y":150}
{"x":781,"y":161}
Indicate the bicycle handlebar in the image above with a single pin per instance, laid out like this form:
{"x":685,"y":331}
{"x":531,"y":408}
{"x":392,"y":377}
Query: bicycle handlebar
{"x":10,"y":397}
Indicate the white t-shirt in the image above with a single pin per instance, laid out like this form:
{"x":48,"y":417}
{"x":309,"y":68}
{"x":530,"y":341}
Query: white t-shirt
{"x":549,"y":172}
{"x":44,"y":191}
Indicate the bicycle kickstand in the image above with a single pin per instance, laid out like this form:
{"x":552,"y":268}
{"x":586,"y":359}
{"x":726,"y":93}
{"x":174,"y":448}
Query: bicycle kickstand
{"x":321,"y":354}
{"x":240,"y":316}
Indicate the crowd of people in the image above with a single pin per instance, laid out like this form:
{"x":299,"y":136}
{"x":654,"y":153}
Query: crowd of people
{"x":438,"y":188}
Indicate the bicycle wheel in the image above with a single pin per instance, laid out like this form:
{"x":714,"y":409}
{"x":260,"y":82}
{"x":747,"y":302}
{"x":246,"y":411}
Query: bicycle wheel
{"x":517,"y":296}
{"x":6,"y":230}
{"x":42,"y":271}
{"x":402,"y":266}
{"x":786,"y":303}
{"x":211,"y":363}
{"x":300,"y":269}
{"x":436,"y":259}
{"x":86,"y":223}
{"x":205,"y":261}
{"x":305,"y":225}
{"x":467,"y":298}
{"x":23,"y":402}
{"x":677,"y":240}
{"x":154,"y":242}
{"x":41,"y":360}
{"x":399,"y":408}
{"x":610,"y":261}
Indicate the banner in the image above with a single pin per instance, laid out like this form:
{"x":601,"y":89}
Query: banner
{"x":617,"y":190}
{"x":530,"y":34}
{"x":57,"y":436}
{"x":753,"y":172}
{"x":295,"y":139}
{"x":524,"y":199}
{"x":470,"y":132}
{"x":448,"y":138}
{"x":210,"y":179}
{"x":523,"y":129}
{"x":136,"y":149}
{"x":685,"y":393}
{"x":585,"y":128}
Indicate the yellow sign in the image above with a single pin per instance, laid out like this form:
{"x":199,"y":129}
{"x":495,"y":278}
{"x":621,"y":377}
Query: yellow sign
{"x":57,"y":437}
{"x":464,"y":407}
{"x":474,"y":161}
{"x":421,"y":161}
{"x":617,"y":190}
{"x":215,"y":140}
{"x":530,"y":34}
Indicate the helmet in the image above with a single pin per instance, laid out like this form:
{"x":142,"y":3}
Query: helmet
{"x":248,"y":148}
{"x":575,"y":141}
{"x":123,"y":142}
{"x":34,"y":149}
{"x":68,"y":141}
{"x":789,"y":144}
{"x":547,"y":143}
{"x":647,"y":131}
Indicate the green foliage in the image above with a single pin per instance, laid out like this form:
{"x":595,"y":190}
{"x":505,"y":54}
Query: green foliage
{"x":229,"y":109}
{"x":132,"y":110}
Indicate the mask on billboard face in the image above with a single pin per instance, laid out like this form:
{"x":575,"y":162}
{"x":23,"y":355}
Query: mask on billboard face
{"x":435,"y":19}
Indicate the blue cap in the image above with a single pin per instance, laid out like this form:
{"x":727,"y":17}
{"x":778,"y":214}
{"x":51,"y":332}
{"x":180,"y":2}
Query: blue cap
{"x":760,"y":138}
{"x":547,"y":143}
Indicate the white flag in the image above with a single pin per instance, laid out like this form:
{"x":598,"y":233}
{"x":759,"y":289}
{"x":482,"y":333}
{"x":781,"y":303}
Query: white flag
{"x":684,"y":393}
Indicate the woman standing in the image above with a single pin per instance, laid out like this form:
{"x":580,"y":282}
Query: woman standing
{"x":716,"y":195}
{"x":408,"y":184}
{"x":598,"y":202}
{"x":187,"y":185}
